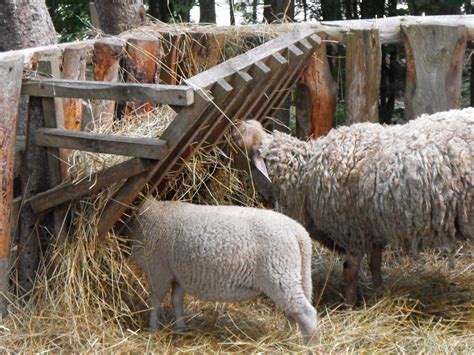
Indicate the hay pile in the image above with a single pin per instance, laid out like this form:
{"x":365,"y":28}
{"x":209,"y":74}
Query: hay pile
{"x":91,"y":298}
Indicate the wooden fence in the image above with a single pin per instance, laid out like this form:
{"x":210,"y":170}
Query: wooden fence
{"x":255,"y":84}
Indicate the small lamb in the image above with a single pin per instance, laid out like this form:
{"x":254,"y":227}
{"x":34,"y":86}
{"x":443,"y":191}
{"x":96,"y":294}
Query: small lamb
{"x":223,"y":253}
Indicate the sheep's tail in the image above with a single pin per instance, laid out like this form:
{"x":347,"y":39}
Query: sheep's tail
{"x":305,"y":244}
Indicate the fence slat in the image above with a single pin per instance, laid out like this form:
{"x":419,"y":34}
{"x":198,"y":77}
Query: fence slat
{"x":363,"y":71}
{"x":142,"y":66}
{"x":435,"y":55}
{"x":74,"y":68}
{"x":140,"y":147}
{"x":316,"y":96}
{"x":70,"y":191}
{"x":10,"y":77}
{"x":164,"y":94}
{"x":106,"y":59}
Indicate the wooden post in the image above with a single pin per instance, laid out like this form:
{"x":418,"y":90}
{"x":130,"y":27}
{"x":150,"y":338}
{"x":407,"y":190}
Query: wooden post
{"x":316,"y":96}
{"x":106,"y":60}
{"x":363,"y":71}
{"x":435,"y":56}
{"x":57,"y":166}
{"x":142,"y":66}
{"x":203,"y":51}
{"x":34,"y":179}
{"x":74,"y":68}
{"x":169,"y":71}
{"x":10,"y":75}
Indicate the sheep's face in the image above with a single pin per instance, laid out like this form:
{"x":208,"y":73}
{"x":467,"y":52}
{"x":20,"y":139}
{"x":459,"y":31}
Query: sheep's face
{"x":249,"y":136}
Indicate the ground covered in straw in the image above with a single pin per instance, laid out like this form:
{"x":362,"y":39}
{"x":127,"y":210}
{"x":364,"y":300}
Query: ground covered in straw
{"x":91,"y":298}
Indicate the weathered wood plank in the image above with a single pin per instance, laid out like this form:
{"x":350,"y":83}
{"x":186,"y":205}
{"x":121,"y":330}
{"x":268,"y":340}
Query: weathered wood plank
{"x":205,"y":79}
{"x":142,"y":66}
{"x":164,"y":94}
{"x":19,"y":149}
{"x":435,"y":57}
{"x":10,"y":75}
{"x":316,"y":96}
{"x":288,"y":80}
{"x":140,"y":147}
{"x":34,"y":179}
{"x":106,"y":59}
{"x":74,"y":190}
{"x":57,"y":159}
{"x":178,"y":130}
{"x":363,"y":71}
{"x":389,"y":28}
{"x":74,"y":68}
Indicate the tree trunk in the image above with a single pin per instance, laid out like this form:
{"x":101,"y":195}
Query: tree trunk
{"x":279,"y":10}
{"x":25,"y":24}
{"x":231,"y":12}
{"x":207,"y":10}
{"x":159,"y":9}
{"x":331,"y":10}
{"x":120,"y":15}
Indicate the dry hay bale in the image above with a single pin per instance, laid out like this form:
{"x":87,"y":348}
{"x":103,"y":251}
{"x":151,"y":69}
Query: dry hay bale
{"x":90,"y":298}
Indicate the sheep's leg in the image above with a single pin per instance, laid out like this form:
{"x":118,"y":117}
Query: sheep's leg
{"x":351,"y":271}
{"x":307,"y":319}
{"x":291,"y":298}
{"x":160,"y":284}
{"x":375,"y":265}
{"x":178,"y":305}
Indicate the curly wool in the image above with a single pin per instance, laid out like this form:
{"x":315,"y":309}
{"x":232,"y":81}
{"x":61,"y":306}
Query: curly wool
{"x":224,"y":253}
{"x":410,"y":186}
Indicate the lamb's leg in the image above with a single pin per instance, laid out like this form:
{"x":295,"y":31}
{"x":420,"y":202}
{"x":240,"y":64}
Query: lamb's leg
{"x":375,"y":265}
{"x":351,"y":271}
{"x":290,"y":297}
{"x":178,"y":301}
{"x":160,"y":283}
{"x":307,"y":319}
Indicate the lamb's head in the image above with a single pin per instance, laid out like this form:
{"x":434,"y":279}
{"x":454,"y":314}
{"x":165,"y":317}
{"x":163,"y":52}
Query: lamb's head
{"x":249,"y":137}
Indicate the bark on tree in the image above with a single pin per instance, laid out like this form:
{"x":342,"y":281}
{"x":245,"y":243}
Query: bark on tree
{"x":120,"y":15}
{"x":25,"y":24}
{"x":207,"y":12}
{"x":231,"y":12}
{"x":279,"y":10}
{"x":160,"y":10}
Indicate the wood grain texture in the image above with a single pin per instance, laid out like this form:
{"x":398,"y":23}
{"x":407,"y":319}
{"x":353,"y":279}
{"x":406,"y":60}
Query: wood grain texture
{"x":435,"y":57}
{"x":74,"y":68}
{"x":316,"y":96}
{"x":106,"y":60}
{"x":10,"y":75}
{"x":142,"y":66}
{"x":164,"y":94}
{"x":140,"y":147}
{"x":69,"y":191}
{"x":363,"y":72}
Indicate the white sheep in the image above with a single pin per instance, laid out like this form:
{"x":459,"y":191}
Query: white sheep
{"x":365,"y":186}
{"x":223,"y":253}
